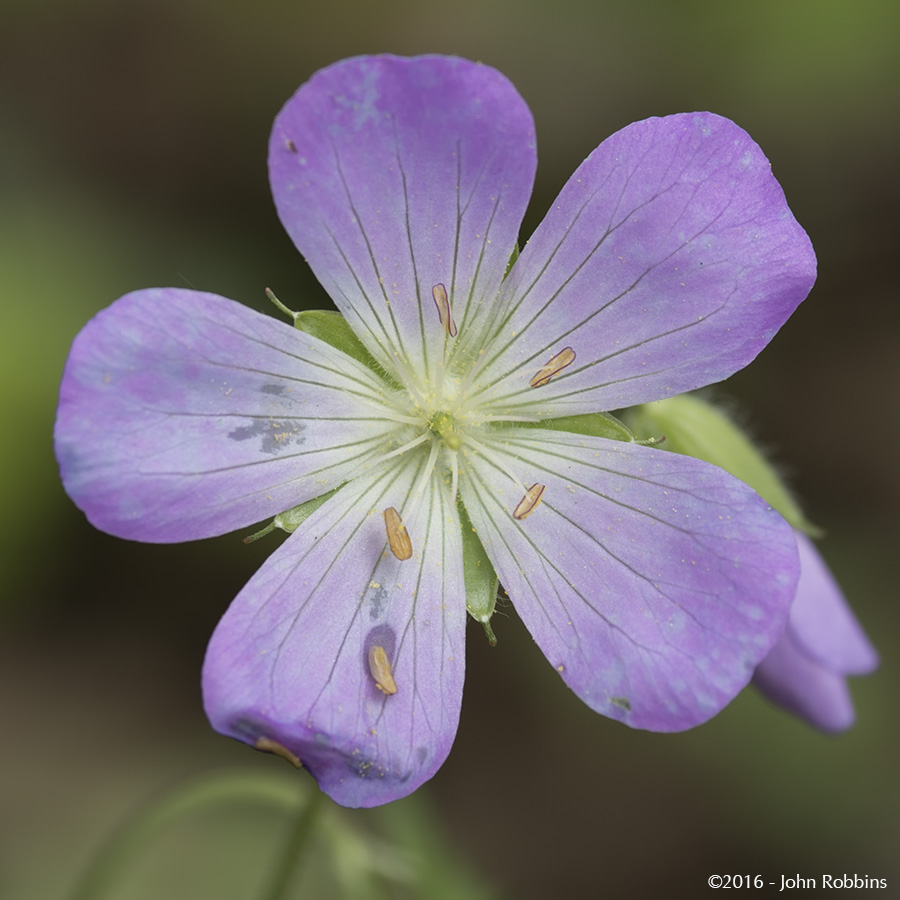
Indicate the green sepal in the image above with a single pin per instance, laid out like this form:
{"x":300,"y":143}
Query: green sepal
{"x":512,"y":258}
{"x":332,"y":327}
{"x":481,"y":580}
{"x":592,"y":424}
{"x":291,"y":519}
{"x":694,"y":427}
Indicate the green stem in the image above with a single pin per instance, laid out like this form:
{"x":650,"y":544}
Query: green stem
{"x":295,"y":848}
{"x":143,"y":827}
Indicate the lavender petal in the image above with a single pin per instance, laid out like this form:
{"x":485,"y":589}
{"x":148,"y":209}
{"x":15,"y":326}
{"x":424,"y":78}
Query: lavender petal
{"x":669,"y":260}
{"x":289,"y":660}
{"x":395,"y":175}
{"x":185,"y":415}
{"x":654,"y":583}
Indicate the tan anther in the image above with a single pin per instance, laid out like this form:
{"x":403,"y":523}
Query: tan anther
{"x":529,"y":502}
{"x":553,"y":366}
{"x":442,"y":302}
{"x":267,"y":745}
{"x":380,"y":668}
{"x":397,"y":535}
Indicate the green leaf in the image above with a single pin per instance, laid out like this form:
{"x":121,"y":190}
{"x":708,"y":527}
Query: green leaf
{"x":694,"y":427}
{"x":481,"y":580}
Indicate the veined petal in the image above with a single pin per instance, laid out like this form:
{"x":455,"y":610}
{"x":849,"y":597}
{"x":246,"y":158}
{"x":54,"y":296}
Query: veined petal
{"x":185,"y":415}
{"x":822,"y":624}
{"x":290,"y":660}
{"x":654,"y":583}
{"x":669,"y":260}
{"x":822,"y":643}
{"x":804,"y":687}
{"x":396,"y":175}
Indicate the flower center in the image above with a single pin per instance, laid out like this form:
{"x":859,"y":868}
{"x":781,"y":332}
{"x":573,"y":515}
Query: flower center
{"x":439,"y":409}
{"x":444,"y":426}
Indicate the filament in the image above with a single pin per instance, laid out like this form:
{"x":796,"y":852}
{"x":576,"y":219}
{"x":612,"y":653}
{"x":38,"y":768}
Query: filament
{"x":406,"y":447}
{"x":495,"y":459}
{"x":412,"y":505}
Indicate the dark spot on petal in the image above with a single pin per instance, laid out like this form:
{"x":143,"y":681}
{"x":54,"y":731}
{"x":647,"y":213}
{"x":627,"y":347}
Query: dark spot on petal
{"x":275,"y":434}
{"x":272,"y":389}
{"x":245,"y":432}
{"x":364,"y":766}
{"x":421,"y":755}
{"x":621,"y":702}
{"x":377,"y":599}
{"x":245,"y":730}
{"x":380,"y":636}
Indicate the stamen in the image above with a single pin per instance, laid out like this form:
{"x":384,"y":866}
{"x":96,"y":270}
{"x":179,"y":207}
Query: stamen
{"x":463,"y":393}
{"x":442,"y":302}
{"x":553,"y":366}
{"x":267,"y":745}
{"x":397,"y":535}
{"x":407,"y":446}
{"x":529,"y":502}
{"x":412,"y":505}
{"x":380,"y":669}
{"x":385,"y":412}
{"x":495,"y":459}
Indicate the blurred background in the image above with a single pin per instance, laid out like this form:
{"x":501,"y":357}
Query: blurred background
{"x":133,"y":140}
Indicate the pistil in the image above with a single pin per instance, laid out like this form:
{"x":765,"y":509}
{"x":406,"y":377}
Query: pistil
{"x":444,"y":426}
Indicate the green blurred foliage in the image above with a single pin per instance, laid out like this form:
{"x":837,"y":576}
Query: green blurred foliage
{"x":133,"y":144}
{"x":237,"y":834}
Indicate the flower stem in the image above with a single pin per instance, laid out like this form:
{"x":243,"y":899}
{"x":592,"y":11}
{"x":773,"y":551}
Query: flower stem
{"x":101,"y":877}
{"x":295,"y":848}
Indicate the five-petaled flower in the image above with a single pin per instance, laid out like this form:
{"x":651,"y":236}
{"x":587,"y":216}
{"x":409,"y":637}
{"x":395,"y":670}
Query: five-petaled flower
{"x":653,"y":583}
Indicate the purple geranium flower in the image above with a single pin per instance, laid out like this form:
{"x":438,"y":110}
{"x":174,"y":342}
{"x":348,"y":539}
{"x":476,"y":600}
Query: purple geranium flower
{"x":654,"y":583}
{"x":822,"y":644}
